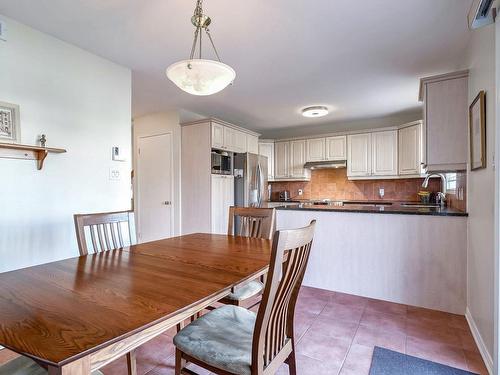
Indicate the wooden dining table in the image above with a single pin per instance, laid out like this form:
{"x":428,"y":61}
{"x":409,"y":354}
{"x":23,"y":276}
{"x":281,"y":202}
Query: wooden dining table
{"x":76,"y":315}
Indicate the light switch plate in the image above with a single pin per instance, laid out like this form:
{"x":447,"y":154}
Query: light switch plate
{"x":114,"y":174}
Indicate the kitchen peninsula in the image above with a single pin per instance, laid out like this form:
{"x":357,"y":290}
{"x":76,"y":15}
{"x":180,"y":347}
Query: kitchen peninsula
{"x":409,"y":255}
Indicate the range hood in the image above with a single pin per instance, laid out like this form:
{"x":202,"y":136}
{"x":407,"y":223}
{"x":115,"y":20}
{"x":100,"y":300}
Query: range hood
{"x":330,"y":164}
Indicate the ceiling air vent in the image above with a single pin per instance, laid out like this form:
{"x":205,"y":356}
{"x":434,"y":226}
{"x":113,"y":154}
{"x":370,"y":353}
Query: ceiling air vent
{"x":481,"y":14}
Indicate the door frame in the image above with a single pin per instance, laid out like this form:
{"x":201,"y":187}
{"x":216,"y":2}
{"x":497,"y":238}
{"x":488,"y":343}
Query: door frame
{"x":137,"y":201}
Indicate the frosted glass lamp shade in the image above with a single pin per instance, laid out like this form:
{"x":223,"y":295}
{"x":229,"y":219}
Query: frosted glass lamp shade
{"x":201,"y":77}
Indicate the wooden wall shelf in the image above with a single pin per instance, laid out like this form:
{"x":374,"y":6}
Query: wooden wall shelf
{"x":27,"y":152}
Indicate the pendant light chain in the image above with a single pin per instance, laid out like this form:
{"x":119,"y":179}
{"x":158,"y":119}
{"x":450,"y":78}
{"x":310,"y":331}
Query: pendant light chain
{"x":201,"y":22}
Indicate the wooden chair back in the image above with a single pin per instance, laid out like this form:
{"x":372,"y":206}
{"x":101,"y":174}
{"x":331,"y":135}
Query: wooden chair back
{"x":273,"y":334}
{"x":252,"y":222}
{"x":105,"y":231}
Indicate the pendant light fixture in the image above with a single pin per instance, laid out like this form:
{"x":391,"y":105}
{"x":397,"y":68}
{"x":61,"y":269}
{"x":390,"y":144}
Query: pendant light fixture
{"x":198,"y":76}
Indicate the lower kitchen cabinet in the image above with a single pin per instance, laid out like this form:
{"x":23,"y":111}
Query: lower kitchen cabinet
{"x":222,"y":199}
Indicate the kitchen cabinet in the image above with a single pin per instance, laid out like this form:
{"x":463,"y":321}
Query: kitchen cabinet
{"x":315,"y":149}
{"x":298,"y":159}
{"x":359,"y":155}
{"x":445,"y":130}
{"x":267,"y":149}
{"x":231,"y":139}
{"x":217,"y":135}
{"x":252,"y":144}
{"x":410,"y":150}
{"x":222,"y":198}
{"x":281,"y":160}
{"x":240,"y":142}
{"x":385,"y":153}
{"x":335,"y":148}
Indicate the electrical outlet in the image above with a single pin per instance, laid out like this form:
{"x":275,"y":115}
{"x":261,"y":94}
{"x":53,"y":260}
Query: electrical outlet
{"x":114,"y":174}
{"x":381,"y":192}
{"x":301,"y":192}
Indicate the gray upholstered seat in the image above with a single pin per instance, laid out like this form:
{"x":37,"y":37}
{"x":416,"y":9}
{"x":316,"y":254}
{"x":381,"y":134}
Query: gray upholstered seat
{"x":25,"y":366}
{"x":249,"y":290}
{"x":222,"y":339}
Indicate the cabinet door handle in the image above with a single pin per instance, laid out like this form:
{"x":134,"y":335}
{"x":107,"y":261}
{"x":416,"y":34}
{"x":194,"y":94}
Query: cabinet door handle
{"x":166,"y":203}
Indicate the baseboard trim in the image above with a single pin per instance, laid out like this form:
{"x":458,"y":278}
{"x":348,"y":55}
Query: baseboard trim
{"x":488,"y":361}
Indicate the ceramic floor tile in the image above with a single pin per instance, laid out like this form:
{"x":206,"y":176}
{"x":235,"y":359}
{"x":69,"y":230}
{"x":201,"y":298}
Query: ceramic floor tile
{"x":7,"y":355}
{"x":348,"y":312}
{"x":439,"y":334}
{"x":358,"y":360}
{"x":386,"y":307}
{"x":310,"y":366}
{"x":475,"y":362}
{"x":372,"y":336}
{"x":349,"y":299}
{"x":333,"y":328}
{"x":327,"y":349}
{"x":437,"y":352}
{"x":389,"y":322}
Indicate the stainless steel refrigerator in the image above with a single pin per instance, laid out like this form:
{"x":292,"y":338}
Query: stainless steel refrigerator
{"x":250,"y":180}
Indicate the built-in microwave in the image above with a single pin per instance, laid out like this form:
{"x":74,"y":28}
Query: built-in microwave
{"x":222,"y":162}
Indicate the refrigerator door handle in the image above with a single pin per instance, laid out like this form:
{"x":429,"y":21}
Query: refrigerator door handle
{"x":260,"y":184}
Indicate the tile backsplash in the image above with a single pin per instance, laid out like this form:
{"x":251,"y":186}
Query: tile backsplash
{"x":333,"y":184}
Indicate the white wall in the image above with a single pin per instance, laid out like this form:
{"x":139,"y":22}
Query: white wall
{"x":160,"y":123}
{"x":82,"y":103}
{"x":481,"y":184}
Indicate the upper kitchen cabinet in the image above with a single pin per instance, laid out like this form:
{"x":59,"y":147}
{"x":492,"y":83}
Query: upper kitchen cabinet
{"x":445,"y":100}
{"x":359,"y":156}
{"x":289,"y":160}
{"x":266,"y":148}
{"x":335,"y":148}
{"x":232,"y":138}
{"x":385,"y":153}
{"x":315,"y":149}
{"x":410,"y":149}
{"x":298,"y":159}
{"x":252,"y":143}
{"x":281,"y":160}
{"x":217,"y":135}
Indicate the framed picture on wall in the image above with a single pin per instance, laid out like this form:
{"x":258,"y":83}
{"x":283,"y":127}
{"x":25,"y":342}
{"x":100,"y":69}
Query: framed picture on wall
{"x":10,"y":131}
{"x":477,"y":132}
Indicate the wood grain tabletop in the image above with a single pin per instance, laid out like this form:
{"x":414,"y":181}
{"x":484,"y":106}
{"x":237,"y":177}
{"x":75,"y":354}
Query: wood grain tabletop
{"x":61,"y":311}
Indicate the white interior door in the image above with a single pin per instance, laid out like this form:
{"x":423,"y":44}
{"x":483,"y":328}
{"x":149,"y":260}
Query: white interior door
{"x":154,"y":188}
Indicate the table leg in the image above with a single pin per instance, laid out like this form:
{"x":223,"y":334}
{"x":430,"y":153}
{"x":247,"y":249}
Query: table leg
{"x":78,"y":367}
{"x":132,"y":362}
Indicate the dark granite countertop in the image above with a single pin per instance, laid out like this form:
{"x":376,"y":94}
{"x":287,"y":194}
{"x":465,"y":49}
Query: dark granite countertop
{"x":370,"y":207}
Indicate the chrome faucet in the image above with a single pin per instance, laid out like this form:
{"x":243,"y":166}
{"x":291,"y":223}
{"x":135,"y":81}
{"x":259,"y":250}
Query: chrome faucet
{"x":440,"y":196}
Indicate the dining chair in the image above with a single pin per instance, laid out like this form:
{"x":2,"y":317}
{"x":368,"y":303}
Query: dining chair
{"x":103,"y":232}
{"x":26,"y":366}
{"x":249,"y":222}
{"x":234,"y":340}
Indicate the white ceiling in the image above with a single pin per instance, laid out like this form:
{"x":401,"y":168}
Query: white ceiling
{"x":361,"y":58}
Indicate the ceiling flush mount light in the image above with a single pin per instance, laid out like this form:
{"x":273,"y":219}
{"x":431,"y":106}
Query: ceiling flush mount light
{"x":199,"y":76}
{"x":316,"y":111}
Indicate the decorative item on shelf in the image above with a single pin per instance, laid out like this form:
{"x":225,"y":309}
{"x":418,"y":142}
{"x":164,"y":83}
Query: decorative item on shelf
{"x":199,"y":76}
{"x":477,"y":132}
{"x":10,"y":127}
{"x":42,"y":140}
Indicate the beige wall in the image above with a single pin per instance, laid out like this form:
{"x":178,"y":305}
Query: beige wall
{"x":160,"y":123}
{"x":481,"y":185}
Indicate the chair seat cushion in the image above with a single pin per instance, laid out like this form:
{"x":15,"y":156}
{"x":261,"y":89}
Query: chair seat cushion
{"x":26,"y":366}
{"x":249,"y":290}
{"x":222,"y":339}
